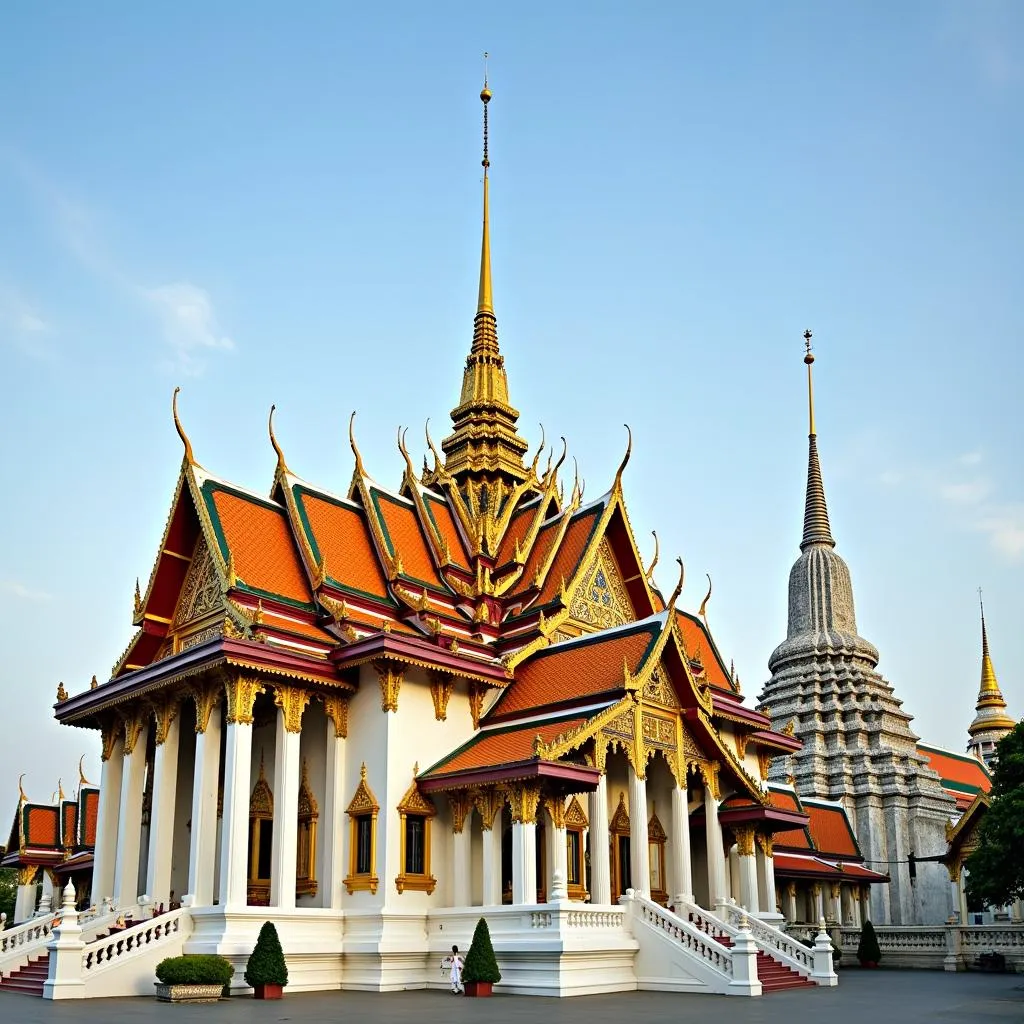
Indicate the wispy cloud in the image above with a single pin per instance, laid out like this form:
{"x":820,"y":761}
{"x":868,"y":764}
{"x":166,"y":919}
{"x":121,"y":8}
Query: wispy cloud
{"x":23,"y":327}
{"x":966,"y":492}
{"x":23,"y":593}
{"x":1004,"y":527}
{"x":185,"y":311}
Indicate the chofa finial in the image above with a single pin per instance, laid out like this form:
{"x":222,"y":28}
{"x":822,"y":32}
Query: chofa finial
{"x":282,"y":466}
{"x":625,"y":458}
{"x":703,"y":612}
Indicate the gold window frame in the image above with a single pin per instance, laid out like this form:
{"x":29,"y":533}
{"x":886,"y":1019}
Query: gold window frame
{"x":576,"y":821}
{"x":261,"y":815}
{"x":363,"y":803}
{"x":656,"y":838}
{"x":415,"y":804}
{"x":305,"y":854}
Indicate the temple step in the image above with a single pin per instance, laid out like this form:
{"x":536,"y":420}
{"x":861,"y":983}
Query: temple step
{"x":28,"y":980}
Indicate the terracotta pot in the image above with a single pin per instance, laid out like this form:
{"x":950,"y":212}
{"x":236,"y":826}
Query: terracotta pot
{"x":268,"y":991}
{"x":478,"y":988}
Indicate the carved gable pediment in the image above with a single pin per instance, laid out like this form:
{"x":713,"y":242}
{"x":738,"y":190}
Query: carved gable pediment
{"x":600,"y":599}
{"x":575,"y":816}
{"x":619,"y":825}
{"x":415,"y":802}
{"x":364,"y":802}
{"x":659,"y":689}
{"x":201,"y":593}
{"x":261,"y":803}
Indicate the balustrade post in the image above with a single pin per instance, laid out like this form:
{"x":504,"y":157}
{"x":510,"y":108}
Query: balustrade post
{"x":744,"y":962}
{"x":954,"y":959}
{"x":64,"y":979}
{"x":823,"y":973}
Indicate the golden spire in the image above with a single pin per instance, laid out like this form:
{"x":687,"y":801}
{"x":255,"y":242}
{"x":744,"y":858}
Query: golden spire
{"x":485,"y":444}
{"x":816,"y":525}
{"x":991,"y":706}
{"x":181,"y":430}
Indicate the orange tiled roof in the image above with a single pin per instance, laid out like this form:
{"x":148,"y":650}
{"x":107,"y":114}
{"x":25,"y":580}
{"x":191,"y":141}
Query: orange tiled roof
{"x":962,"y":775}
{"x":495,"y":747}
{"x":797,"y":838}
{"x":69,"y":826}
{"x":342,"y":539}
{"x":403,"y":530}
{"x":696,"y":637}
{"x":304,"y":629}
{"x":89,"y":800}
{"x":517,"y":530}
{"x":546,"y":536}
{"x":260,"y":542}
{"x":448,"y":529}
{"x":570,"y":552}
{"x":578,"y":668}
{"x":830,"y":830}
{"x":42,"y":826}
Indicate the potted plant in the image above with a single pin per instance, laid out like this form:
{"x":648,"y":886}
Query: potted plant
{"x":199,"y":978}
{"x":266,"y":972}
{"x":480,"y":971}
{"x":868,"y":952}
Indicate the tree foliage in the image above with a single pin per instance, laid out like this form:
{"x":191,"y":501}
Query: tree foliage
{"x":8,"y":893}
{"x":996,"y":868}
{"x":868,"y":951}
{"x":266,"y":964}
{"x":481,"y":964}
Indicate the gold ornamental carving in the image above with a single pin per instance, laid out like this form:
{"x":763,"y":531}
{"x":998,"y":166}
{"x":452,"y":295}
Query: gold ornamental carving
{"x":441,"y":686}
{"x":835,"y":890}
{"x":764,"y":763}
{"x":575,"y":816}
{"x":201,"y":592}
{"x":336,"y":709}
{"x":390,"y":678}
{"x":292,"y":701}
{"x":363,"y":802}
{"x":556,"y":808}
{"x":476,"y":703}
{"x":241,"y":692}
{"x":600,"y":601}
{"x":110,"y":734}
{"x":164,"y":713}
{"x":816,"y":889}
{"x":744,"y":841}
{"x":791,"y":890}
{"x":659,"y":732}
{"x":489,"y":803}
{"x":658,"y":689}
{"x":27,"y":874}
{"x":206,"y":699}
{"x":766,"y":843}
{"x":523,"y":798}
{"x":133,"y":724}
{"x":461,"y":804}
{"x":741,"y":745}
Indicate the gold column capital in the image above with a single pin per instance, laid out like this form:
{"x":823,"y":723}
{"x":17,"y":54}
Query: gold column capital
{"x":109,"y":734}
{"x":134,"y":720}
{"x":241,"y":690}
{"x":556,"y":808}
{"x":744,"y":840}
{"x":523,"y":798}
{"x":441,"y":687}
{"x":336,"y":709}
{"x":206,"y":697}
{"x":489,"y":803}
{"x":461,"y":804}
{"x":165,"y":710}
{"x":390,"y":677}
{"x":292,"y":701}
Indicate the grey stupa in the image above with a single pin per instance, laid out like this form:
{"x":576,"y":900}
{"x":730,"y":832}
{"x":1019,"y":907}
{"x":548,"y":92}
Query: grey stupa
{"x":858,"y":747}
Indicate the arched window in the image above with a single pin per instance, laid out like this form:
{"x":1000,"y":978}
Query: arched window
{"x":414,"y":814}
{"x":575,"y":825}
{"x":261,"y":840}
{"x":362,"y":842}
{"x":656,"y":852}
{"x":305,"y":860}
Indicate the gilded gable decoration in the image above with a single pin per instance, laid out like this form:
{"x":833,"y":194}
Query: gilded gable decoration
{"x":206,"y":698}
{"x":600,"y":601}
{"x":415,"y":812}
{"x":575,"y":816}
{"x":619,"y":825}
{"x":201,"y":593}
{"x":364,"y":802}
{"x":164,"y":713}
{"x":305,"y":859}
{"x":308,"y":806}
{"x":658,"y":688}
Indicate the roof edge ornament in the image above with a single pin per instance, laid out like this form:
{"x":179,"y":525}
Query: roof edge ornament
{"x":282,"y":466}
{"x":360,"y":468}
{"x":654,"y":561}
{"x":82,"y":780}
{"x":189,"y":455}
{"x":703,"y":612}
{"x":671,"y":603}
{"x":625,"y":458}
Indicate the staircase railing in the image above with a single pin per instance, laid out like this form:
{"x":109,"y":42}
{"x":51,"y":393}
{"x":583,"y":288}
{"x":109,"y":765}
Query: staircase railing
{"x":777,"y":944}
{"x":20,"y":938}
{"x":102,"y":953}
{"x":702,"y":945}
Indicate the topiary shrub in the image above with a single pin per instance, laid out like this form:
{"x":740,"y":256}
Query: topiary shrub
{"x":196,"y":969}
{"x":868,"y":951}
{"x":266,"y":964}
{"x":481,"y":964}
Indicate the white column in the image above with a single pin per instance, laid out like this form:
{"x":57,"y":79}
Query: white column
{"x":836,"y":906}
{"x":129,"y":826}
{"x":107,"y":815}
{"x":962,"y":887}
{"x":819,"y":902}
{"x":25,"y":902}
{"x":203,"y":841}
{"x":492,"y":862}
{"x":334,"y":818}
{"x":682,"y":869}
{"x":639,"y":852}
{"x":234,"y":847}
{"x":769,"y":879}
{"x":286,"y":815}
{"x":791,"y":902}
{"x":715,"y":849}
{"x":855,"y":906}
{"x":865,"y":904}
{"x":559,"y":859}
{"x":745,"y":848}
{"x":524,"y":862}
{"x":161,"y":817}
{"x":462,"y":873}
{"x":600,"y":863}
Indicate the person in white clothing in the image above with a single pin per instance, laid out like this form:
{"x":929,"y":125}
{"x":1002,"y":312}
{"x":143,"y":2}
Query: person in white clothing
{"x":453,"y":964}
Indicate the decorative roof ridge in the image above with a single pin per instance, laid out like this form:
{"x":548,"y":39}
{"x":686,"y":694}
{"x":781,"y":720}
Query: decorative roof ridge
{"x":240,"y":491}
{"x":605,"y":634}
{"x":530,"y":716}
{"x":322,"y":492}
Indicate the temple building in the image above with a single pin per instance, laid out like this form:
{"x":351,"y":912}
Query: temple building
{"x":374,"y":716}
{"x":857,"y":747}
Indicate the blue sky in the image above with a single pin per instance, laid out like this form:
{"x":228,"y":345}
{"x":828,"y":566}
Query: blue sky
{"x":281,"y":203}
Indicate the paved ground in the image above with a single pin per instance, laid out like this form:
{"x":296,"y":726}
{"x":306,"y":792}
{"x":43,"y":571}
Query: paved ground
{"x":863,"y":997}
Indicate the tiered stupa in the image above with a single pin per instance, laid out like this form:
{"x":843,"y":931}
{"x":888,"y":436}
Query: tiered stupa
{"x":858,"y":747}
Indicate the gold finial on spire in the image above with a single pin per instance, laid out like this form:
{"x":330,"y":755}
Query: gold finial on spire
{"x":485,"y":300}
{"x":703,"y":612}
{"x":809,"y":360}
{"x":282,"y":466}
{"x":181,"y":430}
{"x":60,"y":791}
{"x":670,"y":604}
{"x":625,"y":458}
{"x":360,"y":468}
{"x":991,"y":722}
{"x":21,"y":792}
{"x":82,"y":780}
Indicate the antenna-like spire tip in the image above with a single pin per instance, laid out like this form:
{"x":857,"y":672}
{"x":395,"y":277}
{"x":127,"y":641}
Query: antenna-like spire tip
{"x":808,"y":354}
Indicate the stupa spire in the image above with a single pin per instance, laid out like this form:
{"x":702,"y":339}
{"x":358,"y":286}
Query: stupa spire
{"x":991,"y":722}
{"x":816,"y":525}
{"x":485,"y":443}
